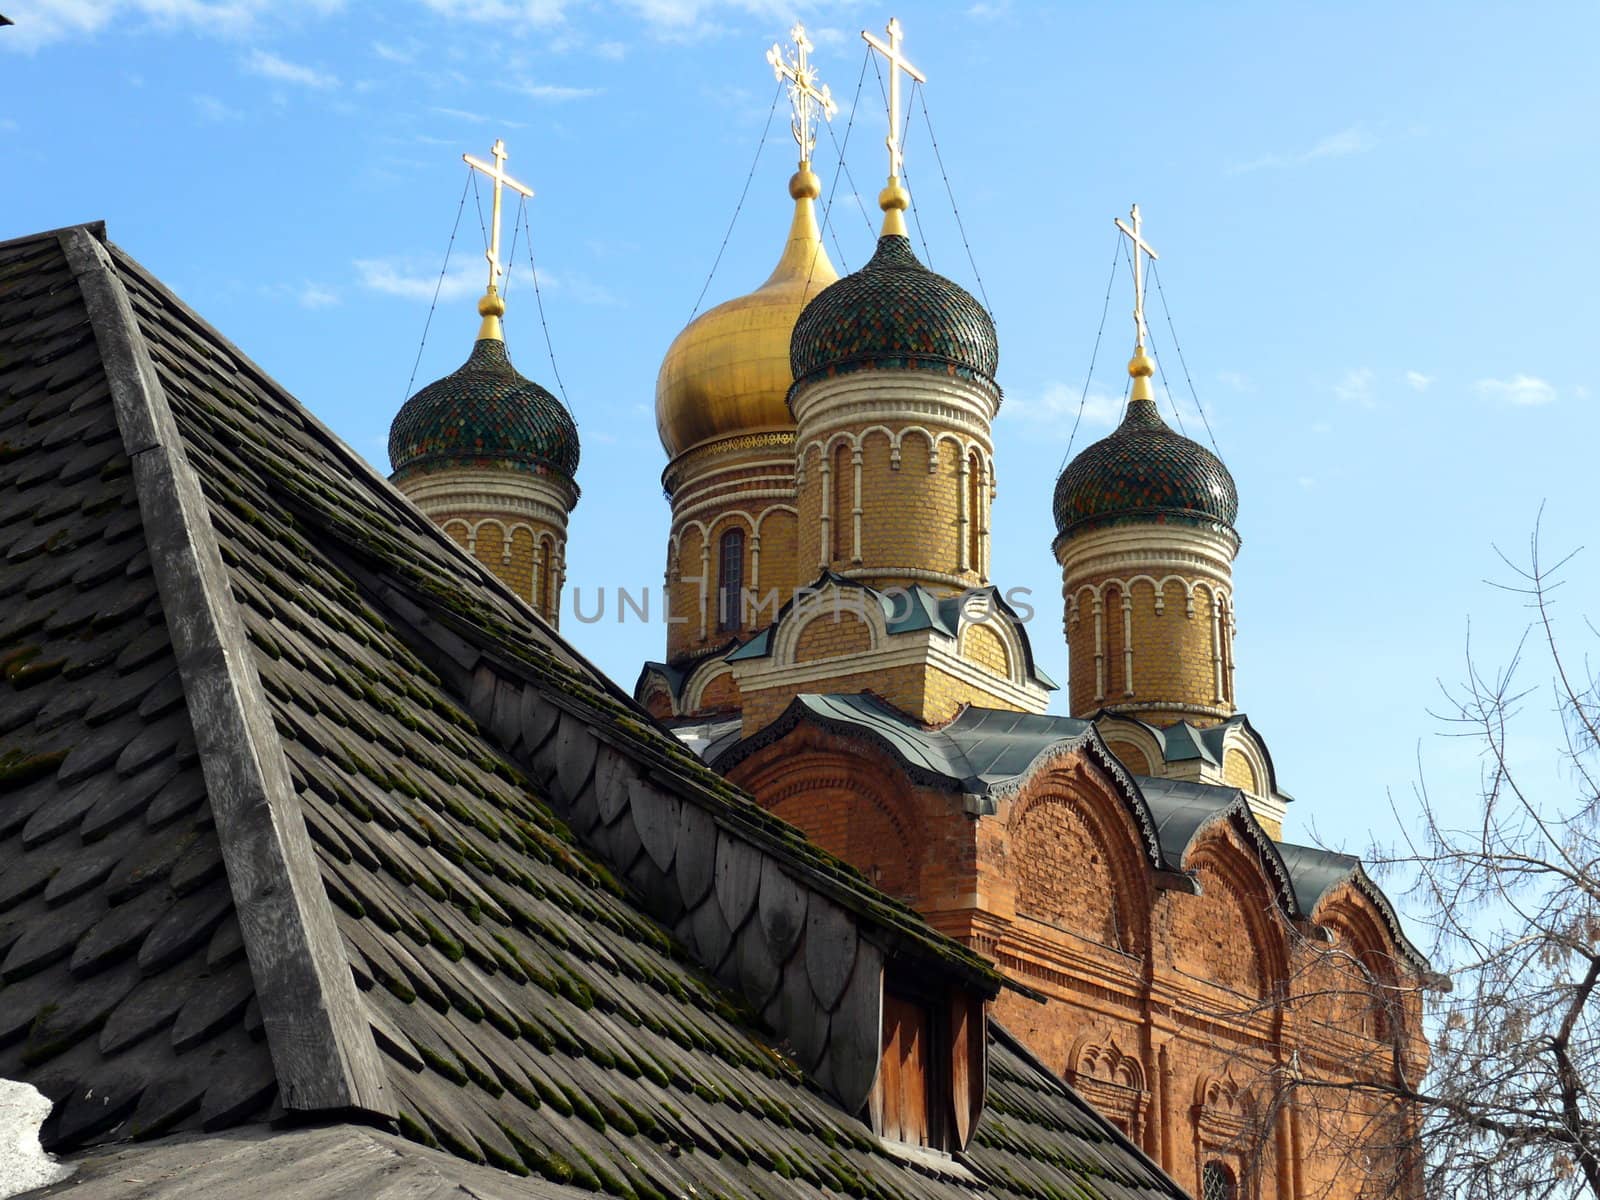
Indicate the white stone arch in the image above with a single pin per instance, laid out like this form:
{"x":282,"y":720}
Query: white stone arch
{"x":1074,"y":599}
{"x":821,"y":605}
{"x":707,"y":672}
{"x":774,"y":508}
{"x":1009,"y":633}
{"x":963,"y":447}
{"x":927,"y":435}
{"x":890,"y":435}
{"x":1159,"y":586}
{"x":1137,"y":735}
{"x":458,"y":523}
{"x":841,"y":436}
{"x":1238,"y":738}
{"x":718,"y":522}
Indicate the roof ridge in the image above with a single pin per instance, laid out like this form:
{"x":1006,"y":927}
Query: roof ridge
{"x":95,"y":229}
{"x":321,"y":1045}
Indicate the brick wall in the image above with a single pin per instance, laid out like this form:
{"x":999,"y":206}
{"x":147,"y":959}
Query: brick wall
{"x":1054,"y":886}
{"x":984,"y":647}
{"x":1173,"y":652}
{"x":831,"y":635}
{"x":520,"y":561}
{"x":910,"y":516}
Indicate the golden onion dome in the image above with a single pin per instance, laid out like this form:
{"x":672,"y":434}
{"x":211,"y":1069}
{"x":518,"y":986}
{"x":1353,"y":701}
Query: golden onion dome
{"x":728,"y":372}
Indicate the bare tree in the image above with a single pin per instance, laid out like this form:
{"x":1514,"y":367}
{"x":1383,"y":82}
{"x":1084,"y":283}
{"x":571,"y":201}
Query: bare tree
{"x":1510,"y":890}
{"x":1504,"y":891}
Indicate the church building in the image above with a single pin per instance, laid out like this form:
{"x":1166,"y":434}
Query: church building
{"x":841,"y":651}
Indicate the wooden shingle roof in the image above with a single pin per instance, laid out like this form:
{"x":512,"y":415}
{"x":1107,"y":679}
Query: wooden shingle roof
{"x":303,"y":814}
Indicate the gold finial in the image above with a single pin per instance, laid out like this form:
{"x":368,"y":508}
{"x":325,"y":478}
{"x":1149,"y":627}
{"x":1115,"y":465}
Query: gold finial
{"x":1141,"y":367}
{"x":894,"y":199}
{"x":805,"y":97}
{"x":491,"y":308}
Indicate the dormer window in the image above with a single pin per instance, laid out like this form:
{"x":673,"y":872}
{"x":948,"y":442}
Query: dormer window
{"x":931,"y":1080}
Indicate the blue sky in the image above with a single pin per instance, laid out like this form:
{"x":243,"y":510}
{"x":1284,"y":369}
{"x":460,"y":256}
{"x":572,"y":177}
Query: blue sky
{"x":1375,"y":223}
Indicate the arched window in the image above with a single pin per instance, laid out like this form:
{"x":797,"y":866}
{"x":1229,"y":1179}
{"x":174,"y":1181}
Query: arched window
{"x":1217,"y":1183}
{"x":975,"y":513}
{"x":844,"y":502}
{"x":730,"y":577}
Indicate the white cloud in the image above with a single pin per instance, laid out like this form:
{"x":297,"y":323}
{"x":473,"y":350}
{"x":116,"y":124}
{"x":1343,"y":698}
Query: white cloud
{"x":1356,"y":387}
{"x":394,"y":54}
{"x":1237,"y":380}
{"x":411,"y":279}
{"x":1418,"y":381}
{"x":41,"y":22}
{"x":270,"y":66}
{"x":406,"y":279}
{"x":1354,"y":140}
{"x":614,"y":51}
{"x":511,"y":13}
{"x":317,"y":295}
{"x":554,"y":91}
{"x":461,"y":114}
{"x":1055,"y":407}
{"x":212,"y":109}
{"x":681,"y":20}
{"x":1525,"y":391}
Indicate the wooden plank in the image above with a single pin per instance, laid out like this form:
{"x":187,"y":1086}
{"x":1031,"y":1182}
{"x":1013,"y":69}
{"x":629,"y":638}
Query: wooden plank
{"x":856,"y":1036}
{"x":505,"y":715}
{"x":914,"y":1075}
{"x":697,"y":853}
{"x":889,"y":1125}
{"x":539,"y":719}
{"x":759,"y":975}
{"x":316,"y":1022}
{"x":738,"y":878}
{"x":712,"y":937}
{"x":655,"y":816}
{"x":962,"y":1031}
{"x":830,"y":951}
{"x":575,"y":753}
{"x":782,"y":909}
{"x":480,"y":696}
{"x":611,"y":775}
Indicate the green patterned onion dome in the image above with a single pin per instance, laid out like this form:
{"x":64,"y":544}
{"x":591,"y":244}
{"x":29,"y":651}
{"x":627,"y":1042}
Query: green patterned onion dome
{"x":1144,"y":469}
{"x":894,"y":313}
{"x":485,"y":414}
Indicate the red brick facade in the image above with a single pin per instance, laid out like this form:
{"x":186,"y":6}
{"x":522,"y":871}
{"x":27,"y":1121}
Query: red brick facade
{"x":1174,"y":1012}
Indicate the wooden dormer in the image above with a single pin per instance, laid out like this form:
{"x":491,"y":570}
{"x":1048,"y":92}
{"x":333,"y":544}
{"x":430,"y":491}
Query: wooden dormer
{"x":931,"y":1080}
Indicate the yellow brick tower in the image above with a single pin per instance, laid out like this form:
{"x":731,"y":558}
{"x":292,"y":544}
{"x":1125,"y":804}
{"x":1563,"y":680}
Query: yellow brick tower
{"x":1146,"y":542}
{"x":894,"y":397}
{"x":491,"y":456}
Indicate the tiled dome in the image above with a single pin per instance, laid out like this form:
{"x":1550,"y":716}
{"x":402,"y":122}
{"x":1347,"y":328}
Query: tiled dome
{"x":894,"y":313}
{"x":484,"y":414}
{"x":1144,"y":469}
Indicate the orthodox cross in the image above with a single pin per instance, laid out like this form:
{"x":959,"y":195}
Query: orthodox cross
{"x":897,"y":63}
{"x":498,"y":174}
{"x":1140,"y":246}
{"x":804,"y":95}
